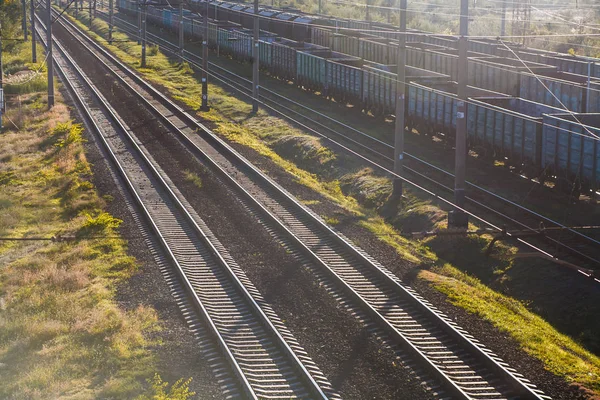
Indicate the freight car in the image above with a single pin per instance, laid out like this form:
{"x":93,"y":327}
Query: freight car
{"x":499,"y":126}
{"x":571,"y":150}
{"x":302,"y":27}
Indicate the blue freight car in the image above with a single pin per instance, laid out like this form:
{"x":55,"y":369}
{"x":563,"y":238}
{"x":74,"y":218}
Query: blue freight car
{"x":311,"y":68}
{"x":502,"y":74}
{"x":345,"y":80}
{"x":498,"y":126}
{"x":510,"y":128}
{"x":379,"y":86}
{"x":571,"y":150}
{"x":283,"y":57}
{"x":432,"y":106}
{"x":560,"y":87}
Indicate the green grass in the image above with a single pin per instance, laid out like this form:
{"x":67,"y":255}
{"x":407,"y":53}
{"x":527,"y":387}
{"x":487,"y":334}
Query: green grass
{"x":559,"y":353}
{"x":363,"y":196}
{"x":62,"y":332}
{"x":23,"y":76}
{"x":193,"y":178}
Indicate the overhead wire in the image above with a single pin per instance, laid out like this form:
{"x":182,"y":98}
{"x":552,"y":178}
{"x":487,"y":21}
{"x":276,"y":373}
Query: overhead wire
{"x":574,"y":116}
{"x":374,"y":164}
{"x":533,"y":119}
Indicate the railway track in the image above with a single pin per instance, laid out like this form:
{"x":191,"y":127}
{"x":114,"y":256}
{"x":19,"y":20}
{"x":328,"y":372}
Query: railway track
{"x":262,"y":357}
{"x":460,"y":365}
{"x":557,"y":242}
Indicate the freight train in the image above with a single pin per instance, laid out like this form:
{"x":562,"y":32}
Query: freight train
{"x":528,"y":133}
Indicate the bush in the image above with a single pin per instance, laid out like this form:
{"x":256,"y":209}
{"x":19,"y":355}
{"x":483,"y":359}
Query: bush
{"x":103,"y":222}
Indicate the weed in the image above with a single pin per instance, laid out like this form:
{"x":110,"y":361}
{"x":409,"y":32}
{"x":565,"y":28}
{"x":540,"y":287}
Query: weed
{"x":331,"y":221}
{"x":193,"y":178}
{"x":152,"y":50}
{"x":160,"y":390}
{"x":103,"y":222}
{"x":73,"y":133}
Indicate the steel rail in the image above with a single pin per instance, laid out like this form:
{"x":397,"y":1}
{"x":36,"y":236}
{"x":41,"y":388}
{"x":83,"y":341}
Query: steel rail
{"x":251,"y":390}
{"x":374,"y":275}
{"x":478,"y":203}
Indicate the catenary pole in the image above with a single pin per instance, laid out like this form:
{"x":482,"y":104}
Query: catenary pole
{"x":181,"y":30}
{"x":144,"y":8}
{"x":400,"y":104}
{"x":503,"y":23}
{"x":111,"y":21}
{"x":49,"y":61}
{"x":24,"y":21}
{"x":33,"y":47}
{"x":458,"y":218}
{"x":204,"y":76}
{"x":1,"y":79}
{"x":255,"y":59}
{"x":139,"y":41}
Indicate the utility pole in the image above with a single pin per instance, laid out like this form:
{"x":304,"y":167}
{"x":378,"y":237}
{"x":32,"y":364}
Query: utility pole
{"x":255,"y":60}
{"x":110,"y":20}
{"x":589,"y":81}
{"x":320,"y":6}
{"x":33,"y":47}
{"x":139,"y":22}
{"x":50,"y":61}
{"x":181,"y":30}
{"x":91,"y":15}
{"x":458,"y":218}
{"x":144,"y":7}
{"x":76,"y":9}
{"x":204,"y":105}
{"x":1,"y":79}
{"x":400,"y":104}
{"x":24,"y":22}
{"x":389,"y":11}
{"x":367,"y":18}
{"x":503,"y":23}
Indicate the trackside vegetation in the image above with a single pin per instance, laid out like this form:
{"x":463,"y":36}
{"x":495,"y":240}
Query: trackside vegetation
{"x":62,"y":332}
{"x":363,"y":194}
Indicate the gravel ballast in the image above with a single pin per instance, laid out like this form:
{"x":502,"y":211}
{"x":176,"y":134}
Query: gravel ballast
{"x":353,"y":360}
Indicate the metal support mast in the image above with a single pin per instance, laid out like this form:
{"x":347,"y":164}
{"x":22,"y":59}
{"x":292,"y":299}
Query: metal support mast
{"x":91,"y":13}
{"x":33,"y":46}
{"x":457,"y":218}
{"x":24,"y":22}
{"x":204,"y":106}
{"x":400,"y":104}
{"x":181,"y":30}
{"x":503,"y":23}
{"x":255,"y":59}
{"x":110,"y":20}
{"x":1,"y":79}
{"x":139,"y":41}
{"x":76,"y":9}
{"x":144,"y":8}
{"x":49,"y":60}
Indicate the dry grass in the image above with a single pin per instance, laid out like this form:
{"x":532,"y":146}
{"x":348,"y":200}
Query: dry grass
{"x":62,"y":333}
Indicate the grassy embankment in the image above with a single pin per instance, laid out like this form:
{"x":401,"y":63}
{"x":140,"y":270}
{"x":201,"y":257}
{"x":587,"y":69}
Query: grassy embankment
{"x":62,"y":332}
{"x":363,"y":195}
